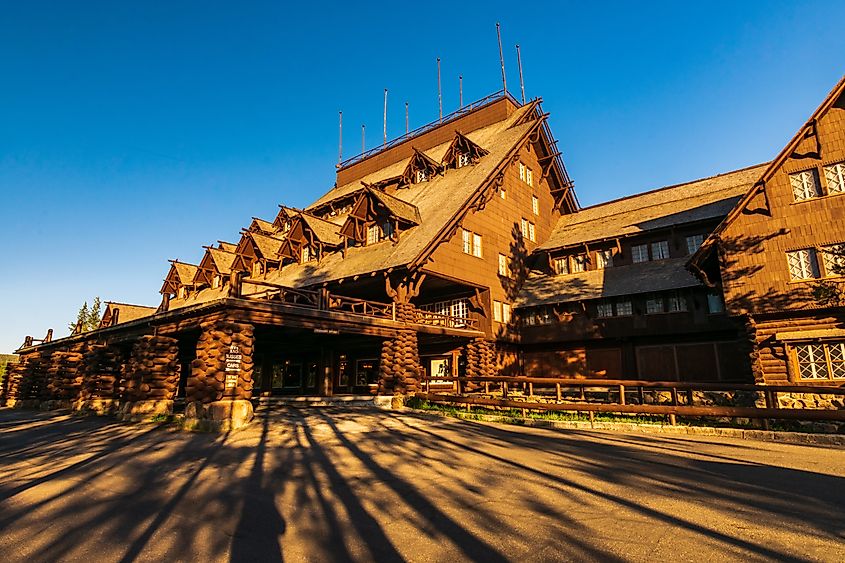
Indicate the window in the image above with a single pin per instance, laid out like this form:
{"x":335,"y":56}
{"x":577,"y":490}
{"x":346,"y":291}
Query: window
{"x":523,"y":228}
{"x":503,"y":265}
{"x":624,"y":308}
{"x":535,"y":204}
{"x":803,"y":264}
{"x":604,"y":259}
{"x":805,"y":185}
{"x":422,"y":176}
{"x":373,"y":234}
{"x":256,"y":269}
{"x":459,"y":309}
{"x":215,"y":282}
{"x":467,"y":237}
{"x":639,"y":253}
{"x":561,"y":265}
{"x":835,"y":176}
{"x":521,"y":171}
{"x":579,"y":263}
{"x":715,"y":303}
{"x":654,"y":304}
{"x":833,"y":257}
{"x":182,"y":292}
{"x":677,"y":302}
{"x":476,"y":245}
{"x":463,"y":160}
{"x":387,"y":229}
{"x":604,"y":309}
{"x":531,"y":233}
{"x":694,"y":243}
{"x":497,"y":311}
{"x":503,"y":193}
{"x":821,"y":360}
{"x":306,"y":252}
{"x":660,"y":250}
{"x":506,"y":313}
{"x":529,"y":177}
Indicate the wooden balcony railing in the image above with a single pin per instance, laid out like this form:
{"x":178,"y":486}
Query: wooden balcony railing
{"x":629,"y":397}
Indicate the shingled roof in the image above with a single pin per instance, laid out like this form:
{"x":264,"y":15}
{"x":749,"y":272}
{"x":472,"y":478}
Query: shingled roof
{"x":126,"y":312}
{"x":222,"y":260}
{"x":326,"y":231}
{"x":398,"y":208}
{"x":268,"y":246}
{"x":186,"y":272}
{"x":708,"y":198}
{"x":643,"y":277}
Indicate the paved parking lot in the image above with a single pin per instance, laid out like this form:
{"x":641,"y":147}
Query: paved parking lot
{"x":356,"y":484}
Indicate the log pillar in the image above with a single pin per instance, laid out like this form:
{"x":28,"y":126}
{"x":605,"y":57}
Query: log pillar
{"x":64,"y":377}
{"x":220,"y":386}
{"x":400,"y":370}
{"x":28,"y":381}
{"x":100,"y":389}
{"x":13,"y":381}
{"x":152,"y":374}
{"x":481,"y":360}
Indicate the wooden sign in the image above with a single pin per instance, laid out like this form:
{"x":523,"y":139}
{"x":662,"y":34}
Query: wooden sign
{"x":233,"y":365}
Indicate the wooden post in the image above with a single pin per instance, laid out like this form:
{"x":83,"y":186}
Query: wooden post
{"x":592,"y":418}
{"x":641,"y":394}
{"x":486,"y":387}
{"x":530,"y":389}
{"x":504,"y":389}
{"x":672,"y":420}
{"x":621,"y":394}
{"x":557,"y":390}
{"x":583,"y":396}
{"x":690,"y":398}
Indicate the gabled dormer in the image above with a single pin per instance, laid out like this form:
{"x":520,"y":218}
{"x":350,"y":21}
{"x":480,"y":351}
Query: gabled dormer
{"x":284,"y":220}
{"x":179,"y":280}
{"x":261,"y":226}
{"x":227,"y":246}
{"x":215,"y":268}
{"x":377,"y":216}
{"x":310,"y":238}
{"x":116,"y":313}
{"x":257,"y":253}
{"x":421,"y":168}
{"x":462,"y":152}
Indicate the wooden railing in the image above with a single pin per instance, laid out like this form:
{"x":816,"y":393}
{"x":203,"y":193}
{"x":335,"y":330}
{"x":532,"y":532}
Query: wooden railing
{"x":323,"y":300}
{"x":624,"y":397}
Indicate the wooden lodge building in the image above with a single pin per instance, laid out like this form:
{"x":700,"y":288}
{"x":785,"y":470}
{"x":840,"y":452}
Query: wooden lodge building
{"x":461,"y":249}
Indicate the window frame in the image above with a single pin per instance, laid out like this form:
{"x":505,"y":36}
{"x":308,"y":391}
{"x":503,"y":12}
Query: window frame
{"x":466,"y":239}
{"x":663,"y":247}
{"x":477,"y":249}
{"x":697,"y":240}
{"x":635,"y":251}
{"x":803,"y":174}
{"x":604,"y":259}
{"x":838,"y":169}
{"x":561,"y":261}
{"x":812,"y":264}
{"x":833,"y":367}
{"x":503,"y":269}
{"x":535,"y":204}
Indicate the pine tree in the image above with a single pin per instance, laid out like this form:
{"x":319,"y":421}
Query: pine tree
{"x":81,"y":316}
{"x":94,"y":314}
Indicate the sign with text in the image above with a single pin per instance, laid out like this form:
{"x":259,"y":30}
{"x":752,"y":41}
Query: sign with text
{"x":233,"y":365}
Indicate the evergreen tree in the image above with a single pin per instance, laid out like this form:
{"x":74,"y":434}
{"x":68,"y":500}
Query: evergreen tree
{"x":81,"y":316}
{"x":94,"y":315}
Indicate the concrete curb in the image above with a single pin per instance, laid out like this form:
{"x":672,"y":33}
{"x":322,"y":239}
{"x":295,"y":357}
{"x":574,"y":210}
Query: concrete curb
{"x":741,"y":433}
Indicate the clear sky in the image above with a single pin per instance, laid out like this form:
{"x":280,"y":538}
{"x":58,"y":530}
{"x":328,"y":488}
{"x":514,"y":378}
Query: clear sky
{"x":136,"y":132}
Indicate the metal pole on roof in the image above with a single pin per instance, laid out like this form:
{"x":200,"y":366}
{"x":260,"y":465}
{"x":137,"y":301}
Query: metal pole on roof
{"x":363,"y":145}
{"x":340,"y":141}
{"x":502,"y":58}
{"x":439,"y":91}
{"x":406,"y":118}
{"x":461,"y":91}
{"x":521,"y":82}
{"x":385,"y":117}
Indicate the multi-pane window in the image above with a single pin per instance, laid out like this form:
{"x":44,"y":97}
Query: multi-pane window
{"x":821,"y":360}
{"x":694,"y":243}
{"x":639,"y":253}
{"x":503,"y":193}
{"x":579,"y":263}
{"x":506,"y":312}
{"x":833,"y":258}
{"x":676,"y":302}
{"x":306,"y":253}
{"x":497,"y":311}
{"x":182,"y":292}
{"x":535,"y":204}
{"x":523,"y":228}
{"x":387,"y":229}
{"x":476,"y":245}
{"x":458,"y":308}
{"x":654,"y":304}
{"x":604,"y":259}
{"x":373,"y":234}
{"x":463,"y":160}
{"x":715,"y":303}
{"x":422,"y":176}
{"x":503,"y":265}
{"x":835,"y":176}
{"x":467,"y":241}
{"x":803,"y":264}
{"x":604,"y":309}
{"x":805,"y":185}
{"x":660,"y":250}
{"x":624,"y":308}
{"x":561,"y":265}
{"x":215,"y":282}
{"x":529,"y":177}
{"x":521,"y":171}
{"x":531,"y":233}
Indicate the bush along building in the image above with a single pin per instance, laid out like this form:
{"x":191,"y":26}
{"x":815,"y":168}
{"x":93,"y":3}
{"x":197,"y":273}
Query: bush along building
{"x":461,"y":249}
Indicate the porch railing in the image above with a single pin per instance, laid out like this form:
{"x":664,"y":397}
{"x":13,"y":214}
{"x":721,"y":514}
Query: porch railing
{"x":668,"y":398}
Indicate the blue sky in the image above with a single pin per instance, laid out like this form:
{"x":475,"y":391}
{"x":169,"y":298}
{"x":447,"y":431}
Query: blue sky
{"x":135,"y":133}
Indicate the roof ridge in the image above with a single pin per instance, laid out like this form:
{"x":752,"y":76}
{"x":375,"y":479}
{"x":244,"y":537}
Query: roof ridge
{"x":669,"y":187}
{"x":130,"y":304}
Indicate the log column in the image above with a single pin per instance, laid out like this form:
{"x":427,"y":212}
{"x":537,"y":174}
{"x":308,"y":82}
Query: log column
{"x":481,"y":360}
{"x":13,"y":381}
{"x":220,"y":386}
{"x":28,"y":386}
{"x":65,"y":376}
{"x":400,"y":370}
{"x":100,"y":390}
{"x":152,"y":374}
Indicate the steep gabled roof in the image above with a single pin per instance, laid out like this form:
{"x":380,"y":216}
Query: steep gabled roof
{"x":268,"y":246}
{"x":186,"y":272}
{"x":462,"y":145}
{"x":643,"y":277}
{"x":708,"y":198}
{"x":262,"y":226}
{"x":125,"y":313}
{"x":222,"y":259}
{"x":835,"y":98}
{"x":325,"y":231}
{"x":227,"y":246}
{"x":398,"y":208}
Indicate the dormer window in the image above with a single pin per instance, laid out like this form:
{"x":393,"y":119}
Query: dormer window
{"x":182,"y":292}
{"x":422,"y":176}
{"x":256,"y":269}
{"x":373,"y":234}
{"x":463,"y":160}
{"x":215,"y":281}
{"x":306,"y":254}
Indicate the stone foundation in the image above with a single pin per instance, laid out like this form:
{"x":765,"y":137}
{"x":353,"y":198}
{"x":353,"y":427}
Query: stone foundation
{"x":207,"y":383}
{"x":811,"y":401}
{"x":99,"y":407}
{"x":137,"y":411}
{"x":221,"y":416}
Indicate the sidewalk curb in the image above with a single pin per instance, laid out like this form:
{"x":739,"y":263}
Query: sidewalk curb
{"x":741,"y":433}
